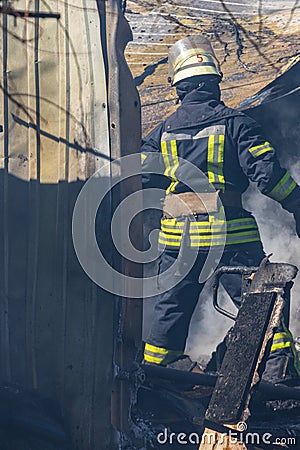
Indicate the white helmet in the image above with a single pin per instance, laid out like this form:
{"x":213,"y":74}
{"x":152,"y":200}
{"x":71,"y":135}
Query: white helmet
{"x":190,"y":57}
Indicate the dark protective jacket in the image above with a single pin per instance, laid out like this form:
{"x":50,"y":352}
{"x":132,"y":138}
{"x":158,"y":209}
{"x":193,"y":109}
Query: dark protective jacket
{"x":230,"y":149}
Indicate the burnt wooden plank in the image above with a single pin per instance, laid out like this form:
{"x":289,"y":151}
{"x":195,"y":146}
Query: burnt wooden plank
{"x":271,"y":275}
{"x":243,"y":348}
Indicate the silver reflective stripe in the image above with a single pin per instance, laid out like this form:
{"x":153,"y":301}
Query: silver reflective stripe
{"x":207,"y":239}
{"x":282,"y":340}
{"x":283,"y":188}
{"x":208,"y":228}
{"x":215,"y":160}
{"x":160,"y":355}
{"x":212,"y":239}
{"x":233,"y":225}
{"x":175,"y":228}
{"x":167,"y":241}
{"x":261,"y":149}
{"x":171,"y":238}
{"x":157,"y":355}
{"x":242,"y":236}
{"x":219,"y":237}
{"x":206,"y":132}
{"x":251,"y":223}
{"x":175,"y":136}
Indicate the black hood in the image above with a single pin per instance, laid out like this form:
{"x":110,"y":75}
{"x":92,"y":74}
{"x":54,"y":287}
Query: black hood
{"x":200,"y":104}
{"x":208,"y":89}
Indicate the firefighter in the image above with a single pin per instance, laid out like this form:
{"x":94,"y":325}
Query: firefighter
{"x":230,"y":149}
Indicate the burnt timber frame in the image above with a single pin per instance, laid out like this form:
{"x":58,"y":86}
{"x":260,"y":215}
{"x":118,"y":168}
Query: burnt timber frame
{"x":247,"y":347}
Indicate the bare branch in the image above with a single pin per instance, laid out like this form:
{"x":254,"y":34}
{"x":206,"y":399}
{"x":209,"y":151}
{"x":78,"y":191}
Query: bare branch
{"x":247,"y":35}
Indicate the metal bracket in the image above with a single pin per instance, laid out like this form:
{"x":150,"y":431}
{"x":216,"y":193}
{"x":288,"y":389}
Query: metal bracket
{"x":242,"y":270}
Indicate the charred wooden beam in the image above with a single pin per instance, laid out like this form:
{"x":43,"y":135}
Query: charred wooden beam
{"x":179,"y":376}
{"x":269,"y":391}
{"x":243,"y":348}
{"x":259,"y":314}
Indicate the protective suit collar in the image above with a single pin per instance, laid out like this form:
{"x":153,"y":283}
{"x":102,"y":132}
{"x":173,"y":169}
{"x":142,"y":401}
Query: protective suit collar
{"x":199,"y":106}
{"x":205,"y":90}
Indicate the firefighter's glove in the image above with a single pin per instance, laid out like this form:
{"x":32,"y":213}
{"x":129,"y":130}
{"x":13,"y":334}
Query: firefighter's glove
{"x":297,"y":220}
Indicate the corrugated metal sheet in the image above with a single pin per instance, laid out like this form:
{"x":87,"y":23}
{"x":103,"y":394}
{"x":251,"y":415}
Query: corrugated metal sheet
{"x":56,"y":326}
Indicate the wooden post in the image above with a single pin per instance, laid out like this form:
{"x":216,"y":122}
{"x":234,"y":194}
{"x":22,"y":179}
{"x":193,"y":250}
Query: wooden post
{"x":125,"y":139}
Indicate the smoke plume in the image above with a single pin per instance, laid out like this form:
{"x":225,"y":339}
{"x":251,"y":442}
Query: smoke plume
{"x":279,"y":237}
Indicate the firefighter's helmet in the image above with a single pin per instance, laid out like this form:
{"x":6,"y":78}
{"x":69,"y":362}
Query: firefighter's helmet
{"x":190,"y":57}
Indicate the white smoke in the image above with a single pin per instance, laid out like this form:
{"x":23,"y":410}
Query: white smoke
{"x":278,"y":235}
{"x":208,"y":327}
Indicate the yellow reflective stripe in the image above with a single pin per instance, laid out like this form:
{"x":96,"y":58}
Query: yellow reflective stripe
{"x":160,"y":355}
{"x":283,"y":335}
{"x":259,"y":146}
{"x":216,"y":244}
{"x":164,"y":359}
{"x":210,"y":158}
{"x":258,"y":150}
{"x":169,"y":240}
{"x":289,"y":190}
{"x":283,"y":188}
{"x":220,"y":228}
{"x":173,"y":221}
{"x":209,"y":227}
{"x":163,"y":235}
{"x":161,"y":350}
{"x":293,"y":348}
{"x":175,"y":230}
{"x":170,"y":230}
{"x":221,"y":159}
{"x":241,"y":227}
{"x":281,"y":345}
{"x":165,"y":242}
{"x":153,"y":359}
{"x":143,"y":157}
{"x":209,"y":244}
{"x":220,"y":236}
{"x":261,"y":152}
{"x":194,"y":231}
{"x":242,"y":219}
{"x":164,"y":150}
{"x":172,"y":186}
{"x":255,"y":238}
{"x":175,"y":165}
{"x":223,"y":241}
{"x":170,"y":221}
{"x":282,"y":339}
{"x":210,"y":240}
{"x":175,"y":158}
{"x":215,"y":160}
{"x":210,"y":233}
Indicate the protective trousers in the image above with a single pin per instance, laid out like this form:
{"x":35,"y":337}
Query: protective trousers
{"x":174,"y":309}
